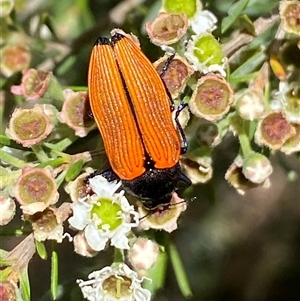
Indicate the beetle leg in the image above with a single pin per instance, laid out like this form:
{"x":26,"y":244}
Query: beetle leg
{"x":185,"y":179}
{"x":183,"y":137}
{"x":166,"y":65}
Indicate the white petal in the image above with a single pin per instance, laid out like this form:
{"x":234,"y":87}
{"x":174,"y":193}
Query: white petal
{"x":142,"y":294}
{"x":102,"y":187}
{"x":80,"y":216}
{"x":96,"y":239}
{"x":203,"y":21}
{"x":119,"y":239}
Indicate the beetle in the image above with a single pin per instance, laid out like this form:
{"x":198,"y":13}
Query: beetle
{"x":133,"y":112}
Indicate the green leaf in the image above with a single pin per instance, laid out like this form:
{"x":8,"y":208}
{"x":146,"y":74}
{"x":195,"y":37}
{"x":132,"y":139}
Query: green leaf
{"x":41,"y":250}
{"x":243,"y":78}
{"x":233,"y":13}
{"x":54,"y":274}
{"x":179,"y":270}
{"x":39,"y":152}
{"x":249,"y":66}
{"x":53,"y":163}
{"x":247,"y":24}
{"x":5,"y":273}
{"x":25,"y":284}
{"x":74,"y":170}
{"x":60,"y":178}
{"x":61,"y":145}
{"x":157,"y":274}
{"x":4,"y":140}
{"x":9,"y":159}
{"x":259,"y":8}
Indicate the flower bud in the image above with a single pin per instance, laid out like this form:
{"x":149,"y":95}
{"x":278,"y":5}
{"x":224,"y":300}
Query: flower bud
{"x":256,"y":167}
{"x":7,"y":209}
{"x":250,"y":105}
{"x":176,"y":75}
{"x":14,"y":58}
{"x":212,"y":97}
{"x":34,"y":84}
{"x":167,"y":29}
{"x":143,"y":254}
{"x":163,"y":217}
{"x":30,"y":126}
{"x":274,"y":130}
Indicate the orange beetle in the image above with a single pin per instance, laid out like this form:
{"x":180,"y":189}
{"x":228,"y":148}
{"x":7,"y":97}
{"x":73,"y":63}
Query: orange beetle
{"x":132,"y":110}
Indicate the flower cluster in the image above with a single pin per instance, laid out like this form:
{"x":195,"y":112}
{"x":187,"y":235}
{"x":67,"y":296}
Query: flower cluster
{"x":199,"y":64}
{"x":99,"y":212}
{"x":117,"y":282}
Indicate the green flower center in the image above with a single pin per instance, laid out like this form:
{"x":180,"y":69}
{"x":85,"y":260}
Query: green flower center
{"x":189,"y":7}
{"x":107,"y":212}
{"x":208,"y":49}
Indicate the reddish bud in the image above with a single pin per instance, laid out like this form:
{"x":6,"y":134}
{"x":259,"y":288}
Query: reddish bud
{"x":176,"y":75}
{"x":167,"y":29}
{"x":14,"y":58}
{"x":75,"y":112}
{"x":274,"y":130}
{"x":34,"y":84}
{"x":143,"y":254}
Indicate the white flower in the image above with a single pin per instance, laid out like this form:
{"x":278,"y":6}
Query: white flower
{"x":203,"y":21}
{"x":207,"y":56}
{"x":106,"y":215}
{"x":117,"y":282}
